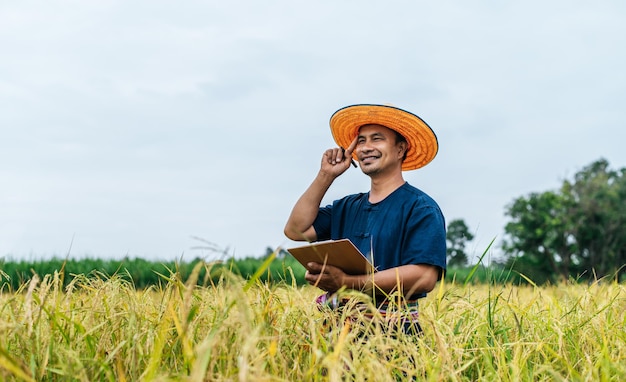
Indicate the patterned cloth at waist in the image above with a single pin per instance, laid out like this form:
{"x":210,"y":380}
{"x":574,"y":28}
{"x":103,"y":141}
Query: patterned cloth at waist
{"x":391,"y":310}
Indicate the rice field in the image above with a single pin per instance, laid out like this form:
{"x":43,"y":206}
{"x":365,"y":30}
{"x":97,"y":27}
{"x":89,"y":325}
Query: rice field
{"x":104,"y":329}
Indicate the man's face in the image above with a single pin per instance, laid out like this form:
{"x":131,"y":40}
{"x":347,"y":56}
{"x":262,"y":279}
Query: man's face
{"x":378,"y":151}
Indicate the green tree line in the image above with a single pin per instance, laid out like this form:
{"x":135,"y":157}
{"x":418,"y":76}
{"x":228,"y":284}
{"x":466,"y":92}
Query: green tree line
{"x":142,"y":273}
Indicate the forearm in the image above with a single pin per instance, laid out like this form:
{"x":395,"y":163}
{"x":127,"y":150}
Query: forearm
{"x":411,"y":279}
{"x":305,"y":210}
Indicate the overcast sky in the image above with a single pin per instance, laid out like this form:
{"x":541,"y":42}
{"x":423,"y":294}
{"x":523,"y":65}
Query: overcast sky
{"x":130,"y":127}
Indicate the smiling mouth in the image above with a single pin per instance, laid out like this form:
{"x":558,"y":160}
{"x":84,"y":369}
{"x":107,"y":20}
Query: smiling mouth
{"x":369,"y":159}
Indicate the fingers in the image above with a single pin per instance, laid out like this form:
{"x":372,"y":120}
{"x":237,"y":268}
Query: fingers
{"x":325,"y":277}
{"x":310,"y":277}
{"x":334,"y":156}
{"x":314,"y":268}
{"x":337,"y":160}
{"x":318,"y":269}
{"x":313,"y":277}
{"x":352,"y":146}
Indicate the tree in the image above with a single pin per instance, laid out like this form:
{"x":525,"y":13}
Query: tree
{"x":598,"y":214}
{"x":538,"y":237}
{"x":579,"y":230}
{"x":457,"y":236}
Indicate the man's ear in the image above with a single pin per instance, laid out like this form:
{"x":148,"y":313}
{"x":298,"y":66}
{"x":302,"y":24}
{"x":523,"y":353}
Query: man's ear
{"x":402,"y":147}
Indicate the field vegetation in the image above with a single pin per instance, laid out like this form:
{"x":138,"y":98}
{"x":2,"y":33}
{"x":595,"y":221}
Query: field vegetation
{"x":552,"y":309}
{"x":197,"y":328}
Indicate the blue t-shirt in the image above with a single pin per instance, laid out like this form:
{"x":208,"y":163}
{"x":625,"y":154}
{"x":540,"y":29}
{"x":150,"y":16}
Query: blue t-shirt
{"x":407,"y":227}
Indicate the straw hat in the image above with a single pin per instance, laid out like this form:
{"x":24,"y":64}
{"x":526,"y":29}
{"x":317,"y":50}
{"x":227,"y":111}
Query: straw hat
{"x":421,"y":139}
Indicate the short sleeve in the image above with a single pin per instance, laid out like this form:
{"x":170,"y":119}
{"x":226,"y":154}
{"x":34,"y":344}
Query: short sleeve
{"x":426,"y":238}
{"x":322,"y":223}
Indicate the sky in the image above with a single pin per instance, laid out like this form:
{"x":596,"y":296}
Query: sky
{"x":175,"y":130}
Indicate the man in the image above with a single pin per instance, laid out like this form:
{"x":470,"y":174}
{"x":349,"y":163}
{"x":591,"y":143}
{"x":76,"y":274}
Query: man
{"x":398,"y":226}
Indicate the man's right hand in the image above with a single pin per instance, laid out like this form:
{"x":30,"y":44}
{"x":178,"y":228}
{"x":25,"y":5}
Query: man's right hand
{"x":337,"y":160}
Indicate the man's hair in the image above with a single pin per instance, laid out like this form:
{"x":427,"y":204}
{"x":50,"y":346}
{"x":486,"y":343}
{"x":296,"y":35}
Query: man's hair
{"x":401,"y":138}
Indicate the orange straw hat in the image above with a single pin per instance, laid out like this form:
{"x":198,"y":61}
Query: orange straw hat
{"x":421,"y":139}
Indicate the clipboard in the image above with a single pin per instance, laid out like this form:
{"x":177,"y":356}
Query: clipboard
{"x":342,"y":254}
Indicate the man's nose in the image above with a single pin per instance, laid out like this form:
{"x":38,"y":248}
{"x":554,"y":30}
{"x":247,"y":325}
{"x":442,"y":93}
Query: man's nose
{"x":364,"y":147}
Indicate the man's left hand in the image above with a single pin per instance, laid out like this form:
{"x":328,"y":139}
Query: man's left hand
{"x":325,"y":277}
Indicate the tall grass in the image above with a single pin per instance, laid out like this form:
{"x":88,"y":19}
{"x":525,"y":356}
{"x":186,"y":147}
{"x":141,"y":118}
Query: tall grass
{"x":104,"y":329}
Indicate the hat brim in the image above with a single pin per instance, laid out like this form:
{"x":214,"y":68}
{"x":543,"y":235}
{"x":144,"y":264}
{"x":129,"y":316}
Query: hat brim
{"x":422,"y":141}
